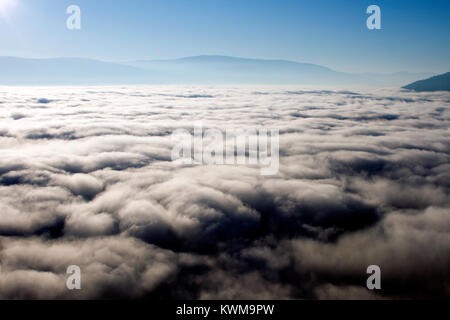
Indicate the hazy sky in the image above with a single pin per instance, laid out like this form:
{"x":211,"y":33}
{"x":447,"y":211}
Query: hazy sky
{"x":415,"y":35}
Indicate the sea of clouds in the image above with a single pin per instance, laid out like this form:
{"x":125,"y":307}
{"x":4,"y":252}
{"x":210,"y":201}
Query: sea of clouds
{"x":86,"y":179}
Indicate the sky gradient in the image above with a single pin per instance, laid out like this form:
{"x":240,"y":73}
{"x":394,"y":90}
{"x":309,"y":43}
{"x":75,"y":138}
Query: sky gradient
{"x":415,"y":35}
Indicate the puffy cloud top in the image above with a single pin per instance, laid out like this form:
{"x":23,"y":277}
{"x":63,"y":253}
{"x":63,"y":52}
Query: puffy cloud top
{"x":86,"y":178}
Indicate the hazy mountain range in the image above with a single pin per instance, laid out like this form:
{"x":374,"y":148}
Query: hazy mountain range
{"x":190,"y":70}
{"x":18,"y":71}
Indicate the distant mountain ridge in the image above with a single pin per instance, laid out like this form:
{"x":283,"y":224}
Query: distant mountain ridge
{"x":225,"y":69}
{"x":17,"y":71}
{"x":437,"y":83}
{"x":207,"y":69}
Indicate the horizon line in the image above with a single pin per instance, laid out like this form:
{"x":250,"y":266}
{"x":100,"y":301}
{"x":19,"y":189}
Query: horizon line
{"x":218,"y":55}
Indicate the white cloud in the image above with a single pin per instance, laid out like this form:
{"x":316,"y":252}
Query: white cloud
{"x":86,"y":179}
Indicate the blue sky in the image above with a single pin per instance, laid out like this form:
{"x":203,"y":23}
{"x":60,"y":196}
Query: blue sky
{"x":415,"y":35}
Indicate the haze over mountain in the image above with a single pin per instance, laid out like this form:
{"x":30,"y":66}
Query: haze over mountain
{"x":189,"y":70}
{"x":61,"y":71}
{"x":223,"y":69}
{"x":397,"y":78}
{"x":438,"y":83}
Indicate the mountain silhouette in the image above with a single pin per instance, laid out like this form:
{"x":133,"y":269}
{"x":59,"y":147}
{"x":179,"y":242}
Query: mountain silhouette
{"x":60,"y":71}
{"x":211,"y":69}
{"x":224,"y":69}
{"x":437,"y":83}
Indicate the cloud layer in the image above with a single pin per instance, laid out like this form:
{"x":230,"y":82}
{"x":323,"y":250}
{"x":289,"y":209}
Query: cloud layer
{"x":86,"y":178}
